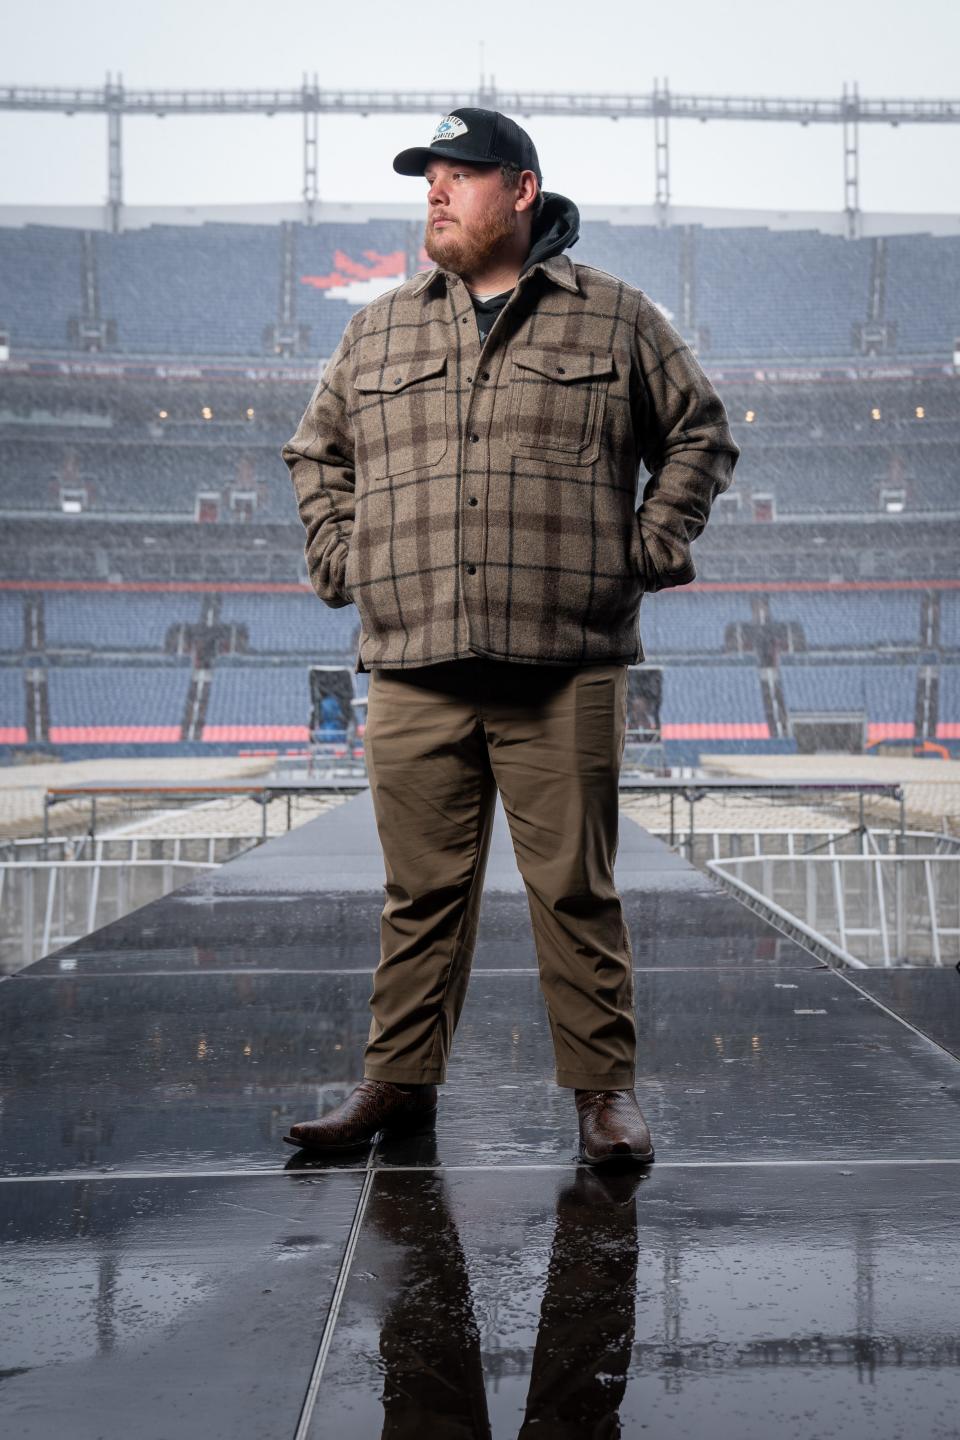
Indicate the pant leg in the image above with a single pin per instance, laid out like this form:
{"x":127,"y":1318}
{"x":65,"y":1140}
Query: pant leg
{"x":556,"y":738}
{"x":433,"y":794}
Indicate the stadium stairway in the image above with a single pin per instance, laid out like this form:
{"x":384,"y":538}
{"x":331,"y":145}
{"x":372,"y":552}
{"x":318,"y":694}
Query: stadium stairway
{"x":789,"y":1265}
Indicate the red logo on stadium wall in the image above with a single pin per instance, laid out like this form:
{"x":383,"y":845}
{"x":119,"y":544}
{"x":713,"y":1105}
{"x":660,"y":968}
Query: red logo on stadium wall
{"x":347,"y":272}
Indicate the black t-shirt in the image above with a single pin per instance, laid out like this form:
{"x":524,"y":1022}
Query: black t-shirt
{"x":488,"y":309}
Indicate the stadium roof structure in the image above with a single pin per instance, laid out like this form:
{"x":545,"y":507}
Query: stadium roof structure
{"x":310,"y":100}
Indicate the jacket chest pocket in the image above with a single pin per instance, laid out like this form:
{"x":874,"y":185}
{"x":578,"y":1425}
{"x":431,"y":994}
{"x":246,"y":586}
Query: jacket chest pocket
{"x":557,"y":402}
{"x":400,"y":416}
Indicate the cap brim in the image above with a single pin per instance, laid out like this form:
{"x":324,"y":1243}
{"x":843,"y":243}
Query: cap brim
{"x":415,"y":160}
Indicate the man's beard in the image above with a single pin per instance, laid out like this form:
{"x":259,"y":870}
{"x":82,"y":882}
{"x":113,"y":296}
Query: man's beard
{"x":469,"y":254}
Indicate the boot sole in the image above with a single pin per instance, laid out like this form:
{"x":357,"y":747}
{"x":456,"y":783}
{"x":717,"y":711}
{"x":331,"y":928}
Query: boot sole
{"x":408,"y":1127}
{"x":618,"y":1157}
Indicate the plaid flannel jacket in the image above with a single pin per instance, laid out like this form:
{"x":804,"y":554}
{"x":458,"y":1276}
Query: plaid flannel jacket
{"x":482,"y":501}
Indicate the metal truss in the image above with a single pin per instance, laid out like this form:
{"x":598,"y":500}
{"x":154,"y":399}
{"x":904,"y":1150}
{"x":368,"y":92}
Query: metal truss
{"x":311,"y":100}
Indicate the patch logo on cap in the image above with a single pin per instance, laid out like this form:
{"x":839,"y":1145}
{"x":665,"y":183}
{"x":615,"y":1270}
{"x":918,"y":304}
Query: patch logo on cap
{"x":449,"y":128}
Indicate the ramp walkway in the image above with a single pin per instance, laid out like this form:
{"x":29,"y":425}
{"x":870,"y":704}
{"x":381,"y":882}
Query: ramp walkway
{"x":790,"y":1264}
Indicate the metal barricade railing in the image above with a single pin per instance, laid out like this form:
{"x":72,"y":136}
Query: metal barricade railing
{"x":879,"y":908}
{"x":213,"y":849}
{"x":46,"y":904}
{"x":724,"y":842}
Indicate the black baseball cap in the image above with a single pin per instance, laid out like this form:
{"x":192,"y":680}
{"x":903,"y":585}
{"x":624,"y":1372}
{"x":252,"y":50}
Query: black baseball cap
{"x":484,"y":136}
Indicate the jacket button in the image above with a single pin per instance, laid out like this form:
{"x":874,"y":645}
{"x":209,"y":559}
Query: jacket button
{"x":469,"y":379}
{"x":398,"y":380}
{"x":560,"y":370}
{"x":471,"y":569}
{"x":474,"y":437}
{"x":472,"y":500}
{"x":485,"y":375}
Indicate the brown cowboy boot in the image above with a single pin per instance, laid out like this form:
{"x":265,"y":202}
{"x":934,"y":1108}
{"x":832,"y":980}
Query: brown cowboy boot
{"x":612,"y":1127}
{"x":371,"y":1106}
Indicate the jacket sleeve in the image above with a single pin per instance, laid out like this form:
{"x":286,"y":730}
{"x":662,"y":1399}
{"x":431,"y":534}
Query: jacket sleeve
{"x":685,"y":443}
{"x":320,"y":458}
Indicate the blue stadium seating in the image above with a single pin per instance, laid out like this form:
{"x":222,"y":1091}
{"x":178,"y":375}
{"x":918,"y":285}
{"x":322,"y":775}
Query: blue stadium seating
{"x":820,"y":478}
{"x":851,"y":620}
{"x":847,"y":479}
{"x":780,"y":294}
{"x":949,"y":708}
{"x":950,"y":620}
{"x":118,"y":479}
{"x":923,"y":282}
{"x":12,"y":699}
{"x":289,"y":624}
{"x":207,"y":289}
{"x":259,"y":695}
{"x":118,"y":695}
{"x":704,"y":698}
{"x":644,"y":255}
{"x":11,"y":621}
{"x":123,"y":620}
{"x":674,"y":623}
{"x":708,"y":694}
{"x":40,"y":275}
{"x":212,"y":289}
{"x":881,"y":692}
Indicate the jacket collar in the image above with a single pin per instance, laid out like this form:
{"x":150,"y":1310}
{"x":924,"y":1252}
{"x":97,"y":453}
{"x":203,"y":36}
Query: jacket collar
{"x":558,"y":268}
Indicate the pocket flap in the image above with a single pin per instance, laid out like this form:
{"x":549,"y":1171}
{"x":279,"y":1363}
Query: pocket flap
{"x":394,"y":375}
{"x":563,"y":365}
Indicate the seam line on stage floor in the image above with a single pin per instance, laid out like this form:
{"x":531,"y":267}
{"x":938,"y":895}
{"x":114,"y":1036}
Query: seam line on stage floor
{"x":921,"y":1034}
{"x":81,"y":973}
{"x":329,"y":1325}
{"x":80,"y":1175}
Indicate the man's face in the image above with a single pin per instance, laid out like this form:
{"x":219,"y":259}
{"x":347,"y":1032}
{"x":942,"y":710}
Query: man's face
{"x":470,"y":215}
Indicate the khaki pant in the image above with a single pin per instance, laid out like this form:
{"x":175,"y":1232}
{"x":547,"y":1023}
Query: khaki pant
{"x":440,"y":741}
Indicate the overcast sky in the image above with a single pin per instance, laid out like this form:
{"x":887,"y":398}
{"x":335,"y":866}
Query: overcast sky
{"x":748,"y":47}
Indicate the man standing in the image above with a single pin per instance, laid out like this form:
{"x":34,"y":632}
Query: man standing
{"x":466,"y":473}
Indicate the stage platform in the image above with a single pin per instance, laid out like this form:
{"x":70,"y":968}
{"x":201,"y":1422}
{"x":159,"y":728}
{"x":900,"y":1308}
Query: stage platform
{"x":789,"y":1266}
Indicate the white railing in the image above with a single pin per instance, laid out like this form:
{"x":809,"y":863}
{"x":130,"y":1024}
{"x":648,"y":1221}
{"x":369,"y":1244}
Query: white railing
{"x":211,"y":849}
{"x":46,"y":904}
{"x":721,"y":843}
{"x":871,"y":907}
{"x":865,"y":896}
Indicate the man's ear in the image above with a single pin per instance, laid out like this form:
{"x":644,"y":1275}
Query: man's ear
{"x":528,"y":189}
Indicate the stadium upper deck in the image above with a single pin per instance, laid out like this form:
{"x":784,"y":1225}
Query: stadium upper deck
{"x":739,"y":291}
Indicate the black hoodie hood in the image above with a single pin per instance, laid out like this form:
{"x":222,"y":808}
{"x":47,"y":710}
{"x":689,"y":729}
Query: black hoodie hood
{"x":557,"y":228}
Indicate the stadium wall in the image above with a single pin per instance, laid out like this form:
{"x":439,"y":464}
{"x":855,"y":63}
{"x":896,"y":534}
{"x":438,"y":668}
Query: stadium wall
{"x":137,"y":217}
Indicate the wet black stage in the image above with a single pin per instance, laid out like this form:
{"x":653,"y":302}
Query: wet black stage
{"x":789,"y":1266}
